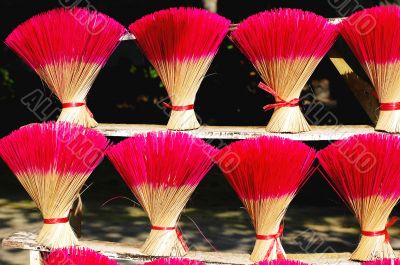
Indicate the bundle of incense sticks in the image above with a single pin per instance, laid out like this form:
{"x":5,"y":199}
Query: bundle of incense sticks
{"x":77,"y":256}
{"x":173,"y":261}
{"x":67,"y":48}
{"x":281,"y":262}
{"x":163,"y":170}
{"x":383,"y":262}
{"x":285,"y":46}
{"x":180,"y":43}
{"x":364,"y":171}
{"x":52,"y":161}
{"x":374,"y":37}
{"x":267,"y":176}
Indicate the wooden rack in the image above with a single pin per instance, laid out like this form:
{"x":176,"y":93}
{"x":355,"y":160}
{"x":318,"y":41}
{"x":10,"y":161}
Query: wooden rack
{"x":123,"y":251}
{"x":318,"y":133}
{"x":361,"y":90}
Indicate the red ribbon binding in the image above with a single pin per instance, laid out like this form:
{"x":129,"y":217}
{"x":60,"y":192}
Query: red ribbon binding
{"x":178,"y":108}
{"x":383,"y":232}
{"x":178,"y":234}
{"x":389,"y":106}
{"x":53,"y":221}
{"x":281,"y":102}
{"x":76,"y":105}
{"x":275,"y":237}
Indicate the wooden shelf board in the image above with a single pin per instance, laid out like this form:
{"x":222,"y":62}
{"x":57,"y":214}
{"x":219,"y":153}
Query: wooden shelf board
{"x":124,"y":251}
{"x":318,"y":133}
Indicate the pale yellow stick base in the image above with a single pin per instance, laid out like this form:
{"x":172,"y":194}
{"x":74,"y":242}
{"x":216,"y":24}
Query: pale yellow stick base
{"x":163,"y":243}
{"x":389,"y":121}
{"x":371,"y":248}
{"x":288,"y":120}
{"x":57,"y":236}
{"x":183,"y":120}
{"x":261,"y":249}
{"x":78,"y":115}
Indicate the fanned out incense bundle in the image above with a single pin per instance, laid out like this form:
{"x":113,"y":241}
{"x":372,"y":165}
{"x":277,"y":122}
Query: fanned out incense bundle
{"x":364,"y":171}
{"x":374,"y":37}
{"x":77,"y":256}
{"x":52,"y":161}
{"x":269,"y":173}
{"x":162,"y":170}
{"x":180,"y":43}
{"x":173,"y":261}
{"x":285,"y":46}
{"x":383,"y":262}
{"x":281,"y":262}
{"x":67,"y":48}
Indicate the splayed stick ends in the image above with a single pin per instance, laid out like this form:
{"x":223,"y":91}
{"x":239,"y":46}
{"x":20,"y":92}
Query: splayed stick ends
{"x":364,"y":171}
{"x":52,"y":161}
{"x":67,"y":48}
{"x":285,"y":46}
{"x":269,"y":174}
{"x":374,"y":37}
{"x":173,"y":261}
{"x":181,"y":43}
{"x":281,"y":262}
{"x":383,"y":262}
{"x":163,"y":170}
{"x":77,"y":256}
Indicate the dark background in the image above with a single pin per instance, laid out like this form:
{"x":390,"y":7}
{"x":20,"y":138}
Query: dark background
{"x":127,"y":88}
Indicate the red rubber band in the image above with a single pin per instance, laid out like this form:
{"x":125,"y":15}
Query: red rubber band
{"x":281,"y":102}
{"x":73,"y":105}
{"x":275,"y":237}
{"x":383,"y":232}
{"x":269,"y":237}
{"x":76,"y":105}
{"x":178,"y":234}
{"x":178,"y":108}
{"x":53,"y":221}
{"x":389,"y":106}
{"x":161,"y":228}
{"x":182,"y":240}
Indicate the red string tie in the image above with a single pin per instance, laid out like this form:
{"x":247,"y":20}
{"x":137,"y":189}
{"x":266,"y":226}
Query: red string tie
{"x":274,"y":237}
{"x":281,"y":102}
{"x":383,"y":232}
{"x":178,"y":108}
{"x":389,"y":106}
{"x":178,"y":234}
{"x":76,"y":105}
{"x":53,"y":221}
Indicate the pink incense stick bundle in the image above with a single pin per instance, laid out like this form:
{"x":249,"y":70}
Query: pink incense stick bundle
{"x":383,"y":262}
{"x":162,"y":170}
{"x":364,"y":171}
{"x":374,"y":37}
{"x":67,"y":48}
{"x":268,"y":175}
{"x":52,"y":161}
{"x":281,"y":262}
{"x":285,"y":46}
{"x":77,"y":256}
{"x":174,"y":261}
{"x":180,"y":43}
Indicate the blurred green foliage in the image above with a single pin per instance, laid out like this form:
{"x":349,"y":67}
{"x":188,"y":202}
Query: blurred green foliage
{"x":7,"y":91}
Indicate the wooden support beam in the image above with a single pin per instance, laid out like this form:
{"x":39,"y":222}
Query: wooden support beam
{"x":361,"y":89}
{"x":124,"y":251}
